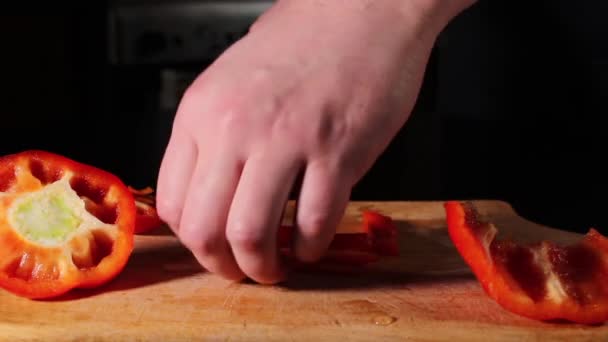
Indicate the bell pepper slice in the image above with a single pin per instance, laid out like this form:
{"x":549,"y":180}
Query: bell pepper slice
{"x":373,"y":240}
{"x":63,"y":225}
{"x":146,"y":218}
{"x":542,"y":280}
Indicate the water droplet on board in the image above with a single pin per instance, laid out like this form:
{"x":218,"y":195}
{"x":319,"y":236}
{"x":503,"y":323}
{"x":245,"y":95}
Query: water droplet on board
{"x":384,"y":320}
{"x":369,"y":309}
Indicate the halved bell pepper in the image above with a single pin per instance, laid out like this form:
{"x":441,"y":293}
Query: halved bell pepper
{"x":63,"y":225}
{"x":543,"y":280}
{"x":369,"y":242}
{"x":146,"y":217}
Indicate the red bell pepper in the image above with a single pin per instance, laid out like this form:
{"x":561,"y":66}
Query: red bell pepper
{"x":146,"y":217}
{"x":543,"y":280}
{"x":374,"y":239}
{"x":63,"y":225}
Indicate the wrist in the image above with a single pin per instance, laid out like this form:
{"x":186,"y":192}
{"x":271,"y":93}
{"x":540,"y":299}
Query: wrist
{"x":437,"y":13}
{"x":427,"y":17}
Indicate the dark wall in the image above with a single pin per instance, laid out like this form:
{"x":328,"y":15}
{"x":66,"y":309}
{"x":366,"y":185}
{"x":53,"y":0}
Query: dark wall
{"x":57,"y":92}
{"x":522,"y":88}
{"x":53,"y":82}
{"x":512,"y":108}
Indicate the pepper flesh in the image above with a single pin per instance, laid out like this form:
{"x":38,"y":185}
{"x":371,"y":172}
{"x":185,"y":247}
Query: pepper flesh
{"x":374,"y":239}
{"x":146,"y":217}
{"x":542,"y":280}
{"x":63,"y":225}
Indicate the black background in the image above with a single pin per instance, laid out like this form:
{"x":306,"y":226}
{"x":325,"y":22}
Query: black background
{"x":513,"y":108}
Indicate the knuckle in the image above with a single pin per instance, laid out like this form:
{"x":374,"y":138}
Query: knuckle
{"x":315,"y":225}
{"x":315,"y":235}
{"x":246,"y":236}
{"x":334,"y":128}
{"x":222,"y":101}
{"x":201,"y":244}
{"x":265,"y":272}
{"x":191,"y":92}
{"x":232,"y":121}
{"x":206,"y":246}
{"x":331,"y":131}
{"x":190,"y":97}
{"x":262,"y":76}
{"x":168,"y":212}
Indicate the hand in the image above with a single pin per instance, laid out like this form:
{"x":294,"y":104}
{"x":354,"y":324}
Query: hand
{"x":318,"y":88}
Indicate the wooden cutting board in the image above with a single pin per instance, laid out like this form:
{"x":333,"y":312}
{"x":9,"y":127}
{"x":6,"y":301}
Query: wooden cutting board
{"x":426,"y":294}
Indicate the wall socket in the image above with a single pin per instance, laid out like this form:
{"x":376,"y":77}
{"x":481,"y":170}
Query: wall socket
{"x":178,"y":32}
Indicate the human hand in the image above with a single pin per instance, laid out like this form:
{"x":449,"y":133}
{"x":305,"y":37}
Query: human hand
{"x":316,"y":87}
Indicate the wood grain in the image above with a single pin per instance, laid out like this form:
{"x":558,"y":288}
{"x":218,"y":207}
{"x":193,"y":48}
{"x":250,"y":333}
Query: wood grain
{"x":426,"y":294}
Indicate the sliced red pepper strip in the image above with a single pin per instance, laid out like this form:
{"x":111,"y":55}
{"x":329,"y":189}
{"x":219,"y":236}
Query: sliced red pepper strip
{"x":542,"y":281}
{"x":146,"y":218}
{"x":375,"y":238}
{"x":63,"y":225}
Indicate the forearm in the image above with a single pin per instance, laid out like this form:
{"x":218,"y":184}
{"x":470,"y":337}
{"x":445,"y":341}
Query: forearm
{"x":426,"y":16}
{"x":440,"y":12}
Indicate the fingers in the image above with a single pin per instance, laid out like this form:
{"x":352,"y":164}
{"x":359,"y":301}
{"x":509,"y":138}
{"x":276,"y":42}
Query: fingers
{"x":256,"y":212}
{"x":174,"y":176}
{"x":321,"y":205}
{"x":203,"y":222}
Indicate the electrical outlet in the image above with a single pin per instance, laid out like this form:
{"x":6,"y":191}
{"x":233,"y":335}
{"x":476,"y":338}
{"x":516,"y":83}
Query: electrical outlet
{"x":177,"y":32}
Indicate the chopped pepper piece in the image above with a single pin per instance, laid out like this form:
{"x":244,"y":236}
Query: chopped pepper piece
{"x":63,"y":225}
{"x":542,"y":281}
{"x":368,"y":243}
{"x":146,"y":217}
